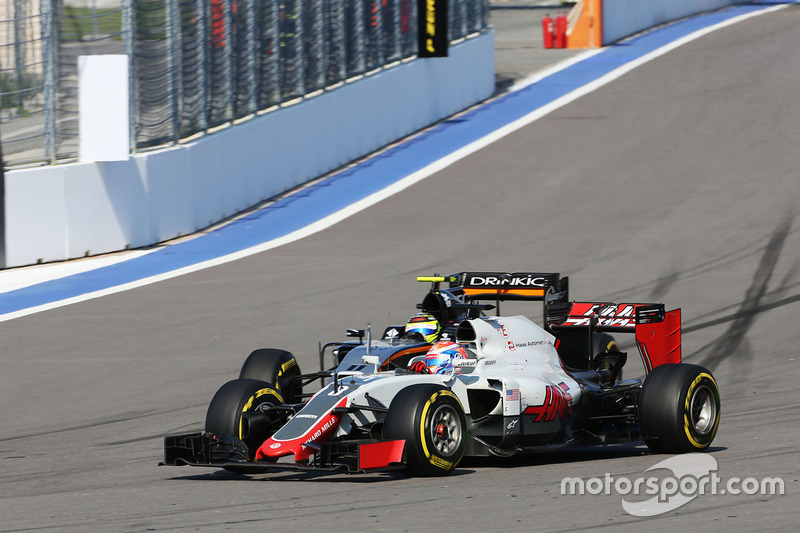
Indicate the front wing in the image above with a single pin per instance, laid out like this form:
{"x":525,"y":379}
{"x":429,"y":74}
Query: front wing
{"x":230,"y":453}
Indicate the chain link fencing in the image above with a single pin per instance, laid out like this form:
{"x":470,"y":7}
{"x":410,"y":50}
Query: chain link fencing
{"x":196,"y":65}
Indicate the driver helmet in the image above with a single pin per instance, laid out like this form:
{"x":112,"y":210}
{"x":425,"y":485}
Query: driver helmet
{"x":439,"y":358}
{"x":426,"y":325}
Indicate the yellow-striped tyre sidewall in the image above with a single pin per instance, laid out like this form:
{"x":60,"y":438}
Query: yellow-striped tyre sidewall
{"x":230,"y":403}
{"x":679,"y":408}
{"x":278,"y":368}
{"x":446,"y":462}
{"x":261,"y":396}
{"x":430,"y":419}
{"x":706,"y":386}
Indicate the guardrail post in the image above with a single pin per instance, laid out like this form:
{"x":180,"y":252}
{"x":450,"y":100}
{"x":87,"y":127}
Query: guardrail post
{"x":20,"y":39}
{"x":356,"y":49}
{"x":173,"y":71}
{"x":270,"y":66}
{"x":128,"y":21}
{"x":253,"y":84}
{"x":2,"y":209}
{"x":300,"y":56}
{"x":202,"y":61}
{"x":336,"y":61}
{"x":227,"y":50}
{"x":50,"y":39}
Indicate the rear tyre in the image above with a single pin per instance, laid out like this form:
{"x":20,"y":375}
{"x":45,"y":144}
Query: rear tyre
{"x":607,"y":358}
{"x":277,"y":367}
{"x":431,"y":420}
{"x":603,"y":343}
{"x":679,"y":408}
{"x":225,"y":415}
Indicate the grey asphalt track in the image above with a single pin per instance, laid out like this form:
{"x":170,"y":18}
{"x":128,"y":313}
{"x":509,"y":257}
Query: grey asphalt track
{"x":678,"y":182}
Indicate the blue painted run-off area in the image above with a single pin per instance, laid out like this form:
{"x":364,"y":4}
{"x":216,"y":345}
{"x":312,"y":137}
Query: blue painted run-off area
{"x":345,"y":188}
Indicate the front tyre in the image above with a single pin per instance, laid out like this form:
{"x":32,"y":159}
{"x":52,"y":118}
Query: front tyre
{"x":277,"y":367}
{"x":431,"y":420}
{"x":679,"y":408}
{"x":237,"y":398}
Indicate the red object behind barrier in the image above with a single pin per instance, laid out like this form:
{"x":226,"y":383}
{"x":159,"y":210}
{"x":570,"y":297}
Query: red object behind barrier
{"x":547,"y":31}
{"x":561,"y":32}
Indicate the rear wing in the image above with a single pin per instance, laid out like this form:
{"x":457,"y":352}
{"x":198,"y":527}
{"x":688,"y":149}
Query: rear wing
{"x":657,"y":331}
{"x":604,"y":316}
{"x":467,"y":288}
{"x":506,"y":286}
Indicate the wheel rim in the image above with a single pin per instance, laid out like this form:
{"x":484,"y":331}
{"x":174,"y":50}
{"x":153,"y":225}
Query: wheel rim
{"x":703,"y":410}
{"x":446,"y":430}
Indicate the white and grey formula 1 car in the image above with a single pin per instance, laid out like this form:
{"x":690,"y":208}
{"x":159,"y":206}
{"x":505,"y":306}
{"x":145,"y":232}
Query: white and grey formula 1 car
{"x":522,"y":387}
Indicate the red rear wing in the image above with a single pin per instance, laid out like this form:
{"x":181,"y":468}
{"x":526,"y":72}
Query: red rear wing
{"x":657,"y":331}
{"x":607,"y":316}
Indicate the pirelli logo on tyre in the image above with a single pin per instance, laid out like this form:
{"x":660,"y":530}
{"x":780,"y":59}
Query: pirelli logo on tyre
{"x":432,"y":36}
{"x":287,"y":365}
{"x":441,"y":463}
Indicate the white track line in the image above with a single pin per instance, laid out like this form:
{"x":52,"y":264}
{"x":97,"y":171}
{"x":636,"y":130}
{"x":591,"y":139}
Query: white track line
{"x":417,"y":176}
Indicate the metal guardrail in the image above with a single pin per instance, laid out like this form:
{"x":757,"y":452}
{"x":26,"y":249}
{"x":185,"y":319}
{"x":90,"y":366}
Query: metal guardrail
{"x":196,"y":65}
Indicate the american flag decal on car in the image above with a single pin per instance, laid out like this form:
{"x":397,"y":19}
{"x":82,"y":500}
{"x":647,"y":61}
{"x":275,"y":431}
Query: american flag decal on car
{"x":512,"y":395}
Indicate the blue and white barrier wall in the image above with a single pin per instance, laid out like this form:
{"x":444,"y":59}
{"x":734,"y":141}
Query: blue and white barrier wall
{"x":622,"y":18}
{"x":87,"y":208}
{"x":596,"y":23}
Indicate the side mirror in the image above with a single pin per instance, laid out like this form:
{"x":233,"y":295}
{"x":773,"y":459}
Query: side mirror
{"x":356,"y":333}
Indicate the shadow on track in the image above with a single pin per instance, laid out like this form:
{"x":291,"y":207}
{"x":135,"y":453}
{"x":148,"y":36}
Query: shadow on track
{"x":468,"y":466}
